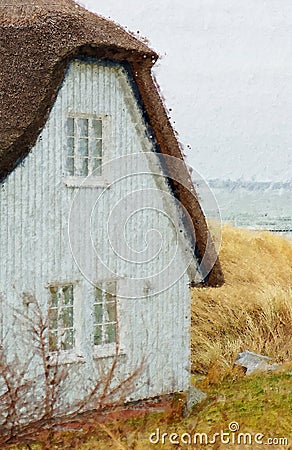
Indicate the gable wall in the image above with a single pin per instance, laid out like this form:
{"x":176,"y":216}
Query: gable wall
{"x":35,"y":204}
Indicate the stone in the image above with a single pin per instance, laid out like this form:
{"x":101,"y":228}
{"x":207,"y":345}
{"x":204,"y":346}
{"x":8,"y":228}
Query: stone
{"x":193,"y":397}
{"x":254,"y":362}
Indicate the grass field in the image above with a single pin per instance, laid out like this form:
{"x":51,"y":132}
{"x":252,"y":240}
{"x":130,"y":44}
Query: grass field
{"x":253,"y":311}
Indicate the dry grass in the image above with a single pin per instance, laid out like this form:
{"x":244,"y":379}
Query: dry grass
{"x":252,"y":310}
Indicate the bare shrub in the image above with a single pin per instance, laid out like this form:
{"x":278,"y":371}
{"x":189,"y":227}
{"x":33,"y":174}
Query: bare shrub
{"x":30,"y":404}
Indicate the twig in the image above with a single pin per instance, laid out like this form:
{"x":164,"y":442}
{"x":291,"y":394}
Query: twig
{"x":113,"y":437}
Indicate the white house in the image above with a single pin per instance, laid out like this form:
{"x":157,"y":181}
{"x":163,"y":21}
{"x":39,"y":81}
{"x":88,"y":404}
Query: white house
{"x":100,"y":225}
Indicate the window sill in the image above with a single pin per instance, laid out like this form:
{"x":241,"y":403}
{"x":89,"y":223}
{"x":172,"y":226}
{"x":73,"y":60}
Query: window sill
{"x":108,"y":351}
{"x":66,"y":357}
{"x":86,"y":182}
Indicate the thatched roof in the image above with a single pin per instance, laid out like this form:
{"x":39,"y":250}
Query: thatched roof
{"x":38,"y":38}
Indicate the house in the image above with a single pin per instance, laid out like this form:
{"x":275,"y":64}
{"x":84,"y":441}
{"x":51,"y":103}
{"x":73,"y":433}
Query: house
{"x":100,"y":224}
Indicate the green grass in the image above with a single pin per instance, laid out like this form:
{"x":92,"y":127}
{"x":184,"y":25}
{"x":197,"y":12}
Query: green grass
{"x":259,"y":403}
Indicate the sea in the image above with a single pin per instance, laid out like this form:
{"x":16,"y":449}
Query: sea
{"x":254,"y":205}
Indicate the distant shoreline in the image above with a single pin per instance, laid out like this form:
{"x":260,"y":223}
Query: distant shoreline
{"x":285,"y":232}
{"x":248,"y":204}
{"x":249,"y":185}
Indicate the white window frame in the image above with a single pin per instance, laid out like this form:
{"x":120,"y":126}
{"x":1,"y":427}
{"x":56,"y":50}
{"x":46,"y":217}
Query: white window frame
{"x":102,"y":180}
{"x":71,"y":355}
{"x":114,"y":348}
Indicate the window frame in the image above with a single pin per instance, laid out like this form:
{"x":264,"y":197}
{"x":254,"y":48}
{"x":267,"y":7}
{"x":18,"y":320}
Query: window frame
{"x":56,"y":314}
{"x":103,"y":179}
{"x":111,"y":349}
{"x":72,"y":355}
{"x":78,"y":352}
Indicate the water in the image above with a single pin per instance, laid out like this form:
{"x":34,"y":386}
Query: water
{"x":252,"y":204}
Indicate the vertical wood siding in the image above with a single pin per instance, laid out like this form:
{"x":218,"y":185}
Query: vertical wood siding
{"x":34,"y":247}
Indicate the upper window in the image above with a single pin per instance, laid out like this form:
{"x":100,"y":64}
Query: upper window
{"x":86,"y":138}
{"x":61,"y":324}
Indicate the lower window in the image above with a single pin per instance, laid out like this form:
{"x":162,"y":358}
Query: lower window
{"x":61,"y":320}
{"x":105,"y":314}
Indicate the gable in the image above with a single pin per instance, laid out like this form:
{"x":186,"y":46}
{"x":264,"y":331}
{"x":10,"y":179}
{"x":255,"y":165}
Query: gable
{"x":103,"y":90}
{"x":132,"y":202}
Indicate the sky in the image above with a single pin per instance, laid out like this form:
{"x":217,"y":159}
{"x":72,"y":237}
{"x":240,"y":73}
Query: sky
{"x":225,"y":72}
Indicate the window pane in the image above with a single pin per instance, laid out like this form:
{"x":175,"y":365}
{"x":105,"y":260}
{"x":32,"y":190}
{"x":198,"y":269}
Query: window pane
{"x":53,"y":318}
{"x":110,"y":291}
{"x":70,"y":166}
{"x":81,"y":167}
{"x":82,"y":125}
{"x":66,"y":317}
{"x":70,"y":146}
{"x":98,"y":295}
{"x":59,"y":295}
{"x":67,"y":340}
{"x":96,"y":148}
{"x":98,"y":313}
{"x":97,"y":128}
{"x":85,"y":167}
{"x":111,"y":311}
{"x":83,"y":147}
{"x":54,"y":298}
{"x":53,"y":341}
{"x":96,"y":166}
{"x":97,"y":335}
{"x":70,"y":127}
{"x":68,"y":295}
{"x":110,"y":333}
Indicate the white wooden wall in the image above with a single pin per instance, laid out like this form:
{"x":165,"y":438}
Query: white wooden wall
{"x":35,"y":251}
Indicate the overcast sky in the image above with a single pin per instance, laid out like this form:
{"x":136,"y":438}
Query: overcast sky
{"x":226,"y":73}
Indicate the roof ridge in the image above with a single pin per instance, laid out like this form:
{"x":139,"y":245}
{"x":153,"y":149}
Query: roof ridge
{"x":16,"y":10}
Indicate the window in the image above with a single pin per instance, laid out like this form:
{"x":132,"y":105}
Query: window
{"x":85,"y":145}
{"x":105,"y":314}
{"x":61,"y":325}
